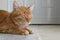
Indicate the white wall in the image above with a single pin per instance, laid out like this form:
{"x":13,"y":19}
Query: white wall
{"x":3,"y":4}
{"x":55,"y":13}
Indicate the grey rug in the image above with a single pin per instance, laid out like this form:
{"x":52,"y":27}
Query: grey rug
{"x":34,"y":36}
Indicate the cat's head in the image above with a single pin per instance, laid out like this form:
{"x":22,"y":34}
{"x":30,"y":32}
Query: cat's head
{"x":21,"y":13}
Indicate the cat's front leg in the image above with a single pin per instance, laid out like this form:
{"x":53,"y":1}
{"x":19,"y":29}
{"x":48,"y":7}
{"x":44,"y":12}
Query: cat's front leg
{"x":28,"y":29}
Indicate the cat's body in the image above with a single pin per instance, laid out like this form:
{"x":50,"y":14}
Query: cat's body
{"x":3,"y":22}
{"x":16,"y":22}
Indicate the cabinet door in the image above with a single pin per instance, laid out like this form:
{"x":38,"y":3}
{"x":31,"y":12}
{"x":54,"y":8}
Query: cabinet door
{"x":3,"y":4}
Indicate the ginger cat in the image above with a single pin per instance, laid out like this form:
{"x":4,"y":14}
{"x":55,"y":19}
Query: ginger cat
{"x":17,"y":21}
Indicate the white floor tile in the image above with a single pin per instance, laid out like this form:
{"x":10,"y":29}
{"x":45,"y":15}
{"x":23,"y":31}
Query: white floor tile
{"x":47,"y":32}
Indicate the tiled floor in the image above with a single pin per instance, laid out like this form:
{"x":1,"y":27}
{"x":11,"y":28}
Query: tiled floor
{"x":48,"y":32}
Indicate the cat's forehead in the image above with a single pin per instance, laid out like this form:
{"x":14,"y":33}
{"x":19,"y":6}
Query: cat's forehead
{"x":23,"y":7}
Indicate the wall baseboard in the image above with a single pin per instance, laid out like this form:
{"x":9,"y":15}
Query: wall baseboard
{"x":44,"y":24}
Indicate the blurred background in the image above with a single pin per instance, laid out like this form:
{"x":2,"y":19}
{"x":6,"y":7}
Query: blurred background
{"x":44,"y":12}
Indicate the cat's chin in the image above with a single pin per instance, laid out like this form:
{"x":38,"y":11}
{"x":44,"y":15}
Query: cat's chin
{"x":29,"y":22}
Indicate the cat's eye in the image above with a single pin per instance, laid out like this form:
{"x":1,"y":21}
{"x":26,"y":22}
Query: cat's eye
{"x":25,"y":14}
{"x":15,"y":15}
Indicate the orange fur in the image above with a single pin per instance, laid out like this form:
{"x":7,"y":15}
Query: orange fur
{"x":17,"y":21}
{"x":9,"y":22}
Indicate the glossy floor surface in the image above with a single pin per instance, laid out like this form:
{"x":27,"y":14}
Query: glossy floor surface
{"x":47,"y":32}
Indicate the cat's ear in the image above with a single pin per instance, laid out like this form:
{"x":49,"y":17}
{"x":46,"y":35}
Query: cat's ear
{"x":15,"y":5}
{"x":31,"y":7}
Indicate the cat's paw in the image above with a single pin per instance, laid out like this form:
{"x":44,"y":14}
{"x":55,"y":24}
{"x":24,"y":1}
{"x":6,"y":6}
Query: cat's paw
{"x":29,"y":30}
{"x":24,"y":32}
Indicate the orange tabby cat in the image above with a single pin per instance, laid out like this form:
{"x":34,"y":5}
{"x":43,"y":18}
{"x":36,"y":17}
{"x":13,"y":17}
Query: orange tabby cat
{"x":17,"y":21}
